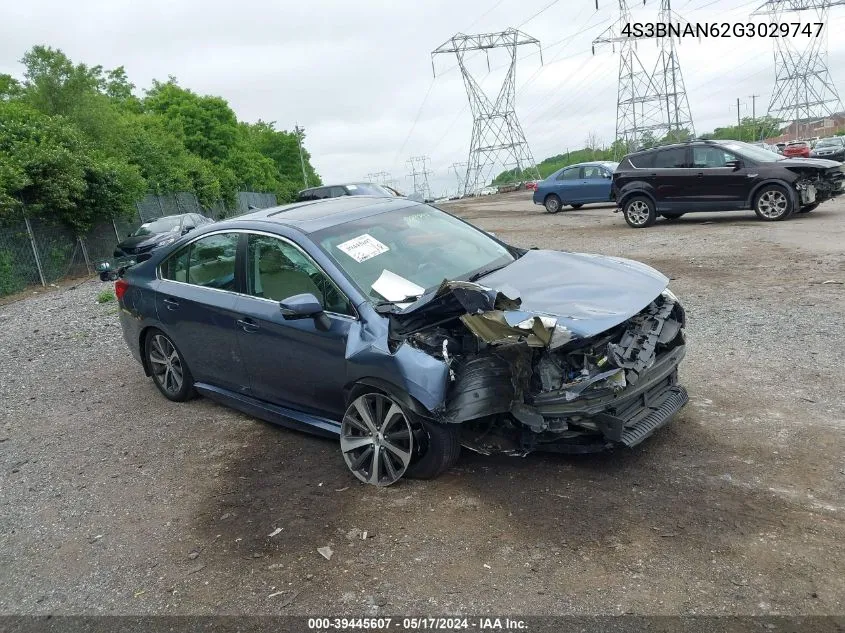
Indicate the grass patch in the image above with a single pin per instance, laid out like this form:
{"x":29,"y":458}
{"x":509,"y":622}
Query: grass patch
{"x":106,"y":296}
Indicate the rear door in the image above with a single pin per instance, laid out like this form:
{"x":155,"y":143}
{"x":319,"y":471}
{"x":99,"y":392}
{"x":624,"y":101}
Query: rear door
{"x":567,"y":184}
{"x":714,"y":185}
{"x":292,"y":362}
{"x":595,"y":184}
{"x":195,"y":303}
{"x":672,"y":178}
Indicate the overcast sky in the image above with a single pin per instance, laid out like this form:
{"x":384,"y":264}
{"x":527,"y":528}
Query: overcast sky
{"x":358,"y":75}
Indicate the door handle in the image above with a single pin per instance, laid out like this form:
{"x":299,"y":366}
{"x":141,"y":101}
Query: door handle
{"x":171,"y":303}
{"x":247,"y":325}
{"x":653,"y":175}
{"x":700,"y":174}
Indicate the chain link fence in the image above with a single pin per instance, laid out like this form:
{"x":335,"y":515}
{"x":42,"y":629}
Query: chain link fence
{"x":34,"y":252}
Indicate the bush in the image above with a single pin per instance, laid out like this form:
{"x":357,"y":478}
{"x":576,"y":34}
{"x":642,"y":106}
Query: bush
{"x":106,"y":296}
{"x":10,"y":282}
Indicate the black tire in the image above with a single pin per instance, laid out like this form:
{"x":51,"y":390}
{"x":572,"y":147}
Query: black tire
{"x":671,"y":216}
{"x":155,"y":350}
{"x":439,"y":448}
{"x":808,"y":208}
{"x":639,"y":212}
{"x":773,"y":203}
{"x":552,"y":203}
{"x":576,"y":206}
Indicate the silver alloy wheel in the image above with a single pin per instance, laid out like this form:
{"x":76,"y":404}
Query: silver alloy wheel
{"x":376,"y":439}
{"x":637,"y":212}
{"x":165,"y":364}
{"x":772,"y":204}
{"x":552,"y":205}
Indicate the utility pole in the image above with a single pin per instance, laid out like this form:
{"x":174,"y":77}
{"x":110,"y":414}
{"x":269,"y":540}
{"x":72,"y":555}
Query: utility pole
{"x":497,"y":137}
{"x":301,"y":157}
{"x":754,"y":118}
{"x":738,"y":120}
{"x":804,"y":89}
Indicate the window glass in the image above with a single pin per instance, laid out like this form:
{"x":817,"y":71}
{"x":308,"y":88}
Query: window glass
{"x":397,"y":254}
{"x":593,"y":171}
{"x":671,"y":158}
{"x":573,"y":173}
{"x":162,"y":225}
{"x":643,"y":161}
{"x":175,"y":267}
{"x":211,"y":262}
{"x":709,"y":156}
{"x":336,"y":192}
{"x":277,"y":269}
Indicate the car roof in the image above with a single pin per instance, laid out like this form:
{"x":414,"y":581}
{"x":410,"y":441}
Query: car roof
{"x":345,"y":184}
{"x":315,"y":215}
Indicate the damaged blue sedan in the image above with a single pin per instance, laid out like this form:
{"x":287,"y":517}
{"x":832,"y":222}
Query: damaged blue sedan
{"x":407,"y":333}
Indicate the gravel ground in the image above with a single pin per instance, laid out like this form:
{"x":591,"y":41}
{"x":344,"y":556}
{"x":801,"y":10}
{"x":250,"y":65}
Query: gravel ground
{"x":115,"y":500}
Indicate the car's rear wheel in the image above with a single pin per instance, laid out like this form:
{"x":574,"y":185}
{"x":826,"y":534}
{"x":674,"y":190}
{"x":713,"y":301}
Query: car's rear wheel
{"x":773,"y":203}
{"x":552,"y":203}
{"x":671,"y":216}
{"x":167,"y":367}
{"x":576,"y":206}
{"x":639,"y":212}
{"x":376,"y":439}
{"x":808,"y":208}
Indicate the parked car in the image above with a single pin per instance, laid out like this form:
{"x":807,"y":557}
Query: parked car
{"x":335,"y":191}
{"x":384,"y":324}
{"x":720,"y":176}
{"x":531,"y":185}
{"x":797,"y":149}
{"x":780,"y":147}
{"x":576,"y":185}
{"x":832,"y":148}
{"x":157,"y":233}
{"x":762,"y":145}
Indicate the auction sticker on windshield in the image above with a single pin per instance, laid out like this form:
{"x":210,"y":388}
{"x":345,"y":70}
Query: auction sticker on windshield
{"x":363,"y":247}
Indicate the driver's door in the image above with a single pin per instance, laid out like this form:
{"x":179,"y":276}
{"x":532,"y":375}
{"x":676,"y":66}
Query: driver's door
{"x":292,"y":363}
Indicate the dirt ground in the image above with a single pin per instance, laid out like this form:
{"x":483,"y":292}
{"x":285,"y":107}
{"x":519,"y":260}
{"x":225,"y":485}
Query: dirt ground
{"x":114,"y":500}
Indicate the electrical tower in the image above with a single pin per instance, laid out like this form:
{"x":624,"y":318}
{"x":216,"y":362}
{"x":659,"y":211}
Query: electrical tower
{"x":497,"y":137}
{"x":652,"y":101}
{"x":460,"y":170}
{"x":803,"y":88}
{"x":419,"y":174}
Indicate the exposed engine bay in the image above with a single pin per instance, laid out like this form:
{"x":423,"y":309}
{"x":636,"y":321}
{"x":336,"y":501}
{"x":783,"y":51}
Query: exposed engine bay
{"x":520,"y":382}
{"x":816,"y":185}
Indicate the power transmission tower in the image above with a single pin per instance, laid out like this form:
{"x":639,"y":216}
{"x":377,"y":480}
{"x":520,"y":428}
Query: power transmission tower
{"x":497,"y":137}
{"x":379,"y":177}
{"x":803,"y":88}
{"x":460,"y":170}
{"x":652,"y":101}
{"x":419,"y":174}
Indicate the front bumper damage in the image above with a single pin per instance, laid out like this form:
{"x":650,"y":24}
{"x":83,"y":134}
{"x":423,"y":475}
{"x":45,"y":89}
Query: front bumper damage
{"x":522,"y":382}
{"x":817,"y":185}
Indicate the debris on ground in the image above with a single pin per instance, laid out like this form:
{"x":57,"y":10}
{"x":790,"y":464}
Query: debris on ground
{"x":326,"y":552}
{"x":274,"y":532}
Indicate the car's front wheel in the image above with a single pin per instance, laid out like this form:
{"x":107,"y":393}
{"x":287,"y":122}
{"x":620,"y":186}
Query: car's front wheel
{"x":552,"y":203}
{"x":639,"y":212}
{"x":773,"y":203}
{"x":376,"y":439}
{"x":167,"y":367}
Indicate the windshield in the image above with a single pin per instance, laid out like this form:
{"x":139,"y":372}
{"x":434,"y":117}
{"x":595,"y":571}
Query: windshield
{"x":402,"y":253}
{"x":829,"y":142}
{"x":749,"y":151}
{"x":162,"y":225}
{"x":367,"y":189}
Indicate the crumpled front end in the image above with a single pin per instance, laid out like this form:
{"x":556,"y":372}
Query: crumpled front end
{"x":520,"y":382}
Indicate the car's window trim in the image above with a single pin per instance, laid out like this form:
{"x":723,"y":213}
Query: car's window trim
{"x":163,"y":262}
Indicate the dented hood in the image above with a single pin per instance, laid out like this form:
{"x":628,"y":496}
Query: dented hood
{"x":587,"y":293}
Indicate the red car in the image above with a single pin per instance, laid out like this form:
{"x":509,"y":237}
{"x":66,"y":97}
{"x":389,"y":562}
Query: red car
{"x":531,"y":185}
{"x":797,"y":149}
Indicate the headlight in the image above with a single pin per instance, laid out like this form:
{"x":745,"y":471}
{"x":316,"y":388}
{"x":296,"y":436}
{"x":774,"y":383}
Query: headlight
{"x":670,"y":295}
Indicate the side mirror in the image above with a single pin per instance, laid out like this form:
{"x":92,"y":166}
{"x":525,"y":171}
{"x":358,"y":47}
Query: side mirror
{"x":305,"y":306}
{"x":733,"y":164}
